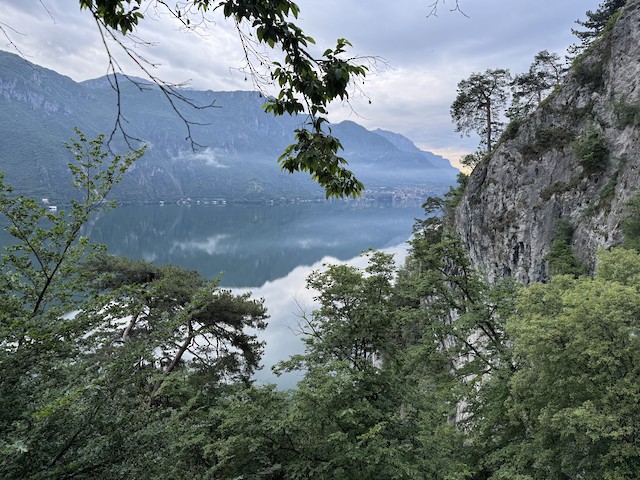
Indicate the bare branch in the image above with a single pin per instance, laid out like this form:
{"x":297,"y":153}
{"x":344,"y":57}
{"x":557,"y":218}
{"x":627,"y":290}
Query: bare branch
{"x":169,"y":90}
{"x":4,"y":30}
{"x":433,"y":8}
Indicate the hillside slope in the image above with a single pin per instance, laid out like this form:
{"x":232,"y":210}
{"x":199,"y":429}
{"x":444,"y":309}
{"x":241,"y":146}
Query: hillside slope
{"x":538,"y":173}
{"x":237,"y":159}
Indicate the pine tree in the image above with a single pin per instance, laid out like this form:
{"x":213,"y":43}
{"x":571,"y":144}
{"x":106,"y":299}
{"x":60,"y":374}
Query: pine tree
{"x":595,"y":24}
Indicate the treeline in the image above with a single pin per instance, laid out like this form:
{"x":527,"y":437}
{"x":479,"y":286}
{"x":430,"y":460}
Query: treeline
{"x":113,"y":368}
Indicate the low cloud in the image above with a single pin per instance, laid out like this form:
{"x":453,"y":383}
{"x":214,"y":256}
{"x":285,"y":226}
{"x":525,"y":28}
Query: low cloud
{"x":209,"y":156}
{"x":214,"y":245}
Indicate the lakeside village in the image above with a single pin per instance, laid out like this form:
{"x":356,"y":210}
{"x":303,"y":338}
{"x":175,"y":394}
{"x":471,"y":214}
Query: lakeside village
{"x":399,"y":196}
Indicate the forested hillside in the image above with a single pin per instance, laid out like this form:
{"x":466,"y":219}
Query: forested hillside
{"x":232,"y":154}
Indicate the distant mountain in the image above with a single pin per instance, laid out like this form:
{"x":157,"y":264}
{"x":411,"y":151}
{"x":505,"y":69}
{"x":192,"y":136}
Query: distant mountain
{"x":399,"y":141}
{"x":237,"y":159}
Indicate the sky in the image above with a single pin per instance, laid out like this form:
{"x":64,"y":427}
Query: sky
{"x":421,"y":57}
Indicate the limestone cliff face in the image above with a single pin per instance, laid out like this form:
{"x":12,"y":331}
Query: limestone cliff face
{"x":509,"y":211}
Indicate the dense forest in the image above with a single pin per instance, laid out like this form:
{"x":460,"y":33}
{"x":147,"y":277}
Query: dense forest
{"x":118,"y":368}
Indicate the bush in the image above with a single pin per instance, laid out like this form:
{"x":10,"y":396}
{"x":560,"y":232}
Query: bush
{"x":591,"y":148}
{"x":589,"y":74}
{"x":511,"y":130}
{"x":547,"y":139}
{"x":562,"y":260}
{"x":626,"y":114}
{"x":631,"y":224}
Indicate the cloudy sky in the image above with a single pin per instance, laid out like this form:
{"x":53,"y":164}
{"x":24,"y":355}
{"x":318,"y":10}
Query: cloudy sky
{"x":410,"y":93}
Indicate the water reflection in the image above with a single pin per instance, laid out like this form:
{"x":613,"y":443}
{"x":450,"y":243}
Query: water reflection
{"x":286,"y":300}
{"x":269,"y":250}
{"x":251,"y":245}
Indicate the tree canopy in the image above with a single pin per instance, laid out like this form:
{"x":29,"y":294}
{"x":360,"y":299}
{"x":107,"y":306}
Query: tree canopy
{"x":595,"y":23}
{"x":480,"y":101}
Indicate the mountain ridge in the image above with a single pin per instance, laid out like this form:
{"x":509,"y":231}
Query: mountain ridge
{"x":237,"y":160}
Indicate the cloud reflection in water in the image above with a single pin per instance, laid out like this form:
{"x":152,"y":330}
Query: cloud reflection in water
{"x":286,"y":299}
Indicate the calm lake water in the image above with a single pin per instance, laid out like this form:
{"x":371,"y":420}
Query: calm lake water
{"x":248,"y":244}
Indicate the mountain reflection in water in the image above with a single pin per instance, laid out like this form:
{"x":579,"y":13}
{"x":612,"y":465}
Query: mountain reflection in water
{"x":250,"y":244}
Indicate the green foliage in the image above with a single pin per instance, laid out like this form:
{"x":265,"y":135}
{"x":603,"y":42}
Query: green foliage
{"x":561,"y":258}
{"x":631,"y":223}
{"x":560,"y":187}
{"x":103,"y":360}
{"x":479,"y":103}
{"x":627,"y":114}
{"x":49,"y":243}
{"x":592,"y":149}
{"x":575,"y":391}
{"x":511,"y":130}
{"x":597,"y":23}
{"x":588,"y":73}
{"x":426,"y":371}
{"x":116,"y":14}
{"x":472,"y":159}
{"x":608,"y":191}
{"x":547,"y":138}
{"x":41,"y":284}
{"x":311,"y":154}
{"x":529,"y":89}
{"x":353,"y":316}
{"x":440,"y":210}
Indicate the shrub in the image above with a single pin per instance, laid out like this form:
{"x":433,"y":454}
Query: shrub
{"x":511,"y":130}
{"x":631,"y":223}
{"x":591,"y":148}
{"x":547,"y":139}
{"x":561,"y":258}
{"x":626,"y":114}
{"x":589,"y":74}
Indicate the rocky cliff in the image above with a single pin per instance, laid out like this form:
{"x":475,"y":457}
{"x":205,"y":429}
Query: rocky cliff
{"x":543,"y":169}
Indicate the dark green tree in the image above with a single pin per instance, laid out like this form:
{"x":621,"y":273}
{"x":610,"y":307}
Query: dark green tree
{"x":479,"y":104}
{"x":530,"y":88}
{"x":595,"y":24}
{"x":104,"y":361}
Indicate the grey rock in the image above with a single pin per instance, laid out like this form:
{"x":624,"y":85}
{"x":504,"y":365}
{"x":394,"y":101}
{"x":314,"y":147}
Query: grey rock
{"x":514,"y":198}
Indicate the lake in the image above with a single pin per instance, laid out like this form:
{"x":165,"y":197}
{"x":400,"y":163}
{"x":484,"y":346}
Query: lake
{"x":250,"y":244}
{"x":266,"y":249}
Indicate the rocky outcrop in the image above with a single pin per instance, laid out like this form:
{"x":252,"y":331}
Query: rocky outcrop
{"x":535,"y":176}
